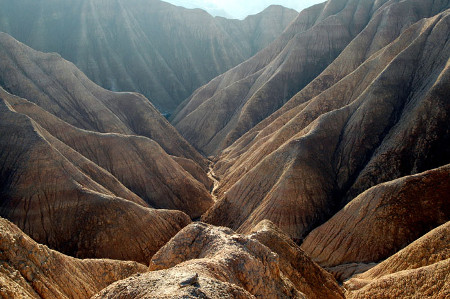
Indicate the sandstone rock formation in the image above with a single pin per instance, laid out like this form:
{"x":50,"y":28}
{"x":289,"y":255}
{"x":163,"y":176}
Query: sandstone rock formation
{"x":395,"y":213}
{"x":228,"y":266}
{"x":31,"y":270}
{"x":151,"y":47}
{"x":307,"y":276}
{"x":166,"y":284}
{"x":419,"y":270}
{"x":386,"y":119}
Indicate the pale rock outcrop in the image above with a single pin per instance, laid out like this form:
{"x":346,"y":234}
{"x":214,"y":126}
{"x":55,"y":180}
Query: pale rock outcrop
{"x":306,"y":275}
{"x":228,"y":266}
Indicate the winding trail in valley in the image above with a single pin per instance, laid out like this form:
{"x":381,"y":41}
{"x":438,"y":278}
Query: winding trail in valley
{"x":213,"y":177}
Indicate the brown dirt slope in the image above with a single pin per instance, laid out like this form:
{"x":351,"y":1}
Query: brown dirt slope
{"x":250,"y":92}
{"x":341,"y":82}
{"x":61,"y":199}
{"x":137,"y":162}
{"x":31,"y":270}
{"x":385,"y":120}
{"x":195,"y":170}
{"x":426,"y":282}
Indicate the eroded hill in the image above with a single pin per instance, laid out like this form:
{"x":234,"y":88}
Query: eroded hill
{"x":149,"y":46}
{"x":331,"y":179}
{"x":81,"y":167}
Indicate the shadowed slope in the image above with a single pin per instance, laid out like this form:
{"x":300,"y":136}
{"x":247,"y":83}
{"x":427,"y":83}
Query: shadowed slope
{"x":60,"y":88}
{"x":148,"y":46}
{"x":138,"y":162}
{"x":31,"y":270}
{"x":60,"y":198}
{"x":195,"y":170}
{"x":386,"y":119}
{"x":307,"y":276}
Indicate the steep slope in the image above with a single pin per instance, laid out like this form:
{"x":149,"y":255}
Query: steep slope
{"x":395,"y":213}
{"x":61,"y":199}
{"x":220,"y":264}
{"x":148,"y":46}
{"x":343,"y":80}
{"x":31,"y":270}
{"x":384,"y":120}
{"x":307,"y":276}
{"x":137,"y":162}
{"x":60,"y":88}
{"x":195,"y":170}
{"x":421,"y":270}
{"x":247,"y":94}
{"x":427,"y":250}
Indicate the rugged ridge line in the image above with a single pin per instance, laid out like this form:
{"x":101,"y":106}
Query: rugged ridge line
{"x":421,"y":269}
{"x":137,"y":162}
{"x":147,"y":46}
{"x":57,"y":86}
{"x":250,"y":92}
{"x":396,"y":214}
{"x":202,"y":260}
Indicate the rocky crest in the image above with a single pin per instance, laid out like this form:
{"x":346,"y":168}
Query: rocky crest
{"x":307,"y":276}
{"x":227,"y":265}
